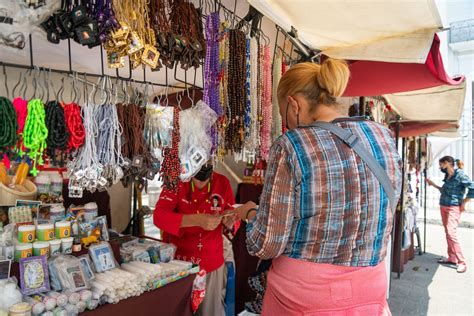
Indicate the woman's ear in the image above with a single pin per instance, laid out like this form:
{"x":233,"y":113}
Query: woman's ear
{"x":293,"y":104}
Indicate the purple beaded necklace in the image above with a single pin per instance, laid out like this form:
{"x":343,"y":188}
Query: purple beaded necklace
{"x":211,"y":70}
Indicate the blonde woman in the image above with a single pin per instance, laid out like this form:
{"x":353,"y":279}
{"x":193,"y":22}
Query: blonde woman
{"x":323,"y":215}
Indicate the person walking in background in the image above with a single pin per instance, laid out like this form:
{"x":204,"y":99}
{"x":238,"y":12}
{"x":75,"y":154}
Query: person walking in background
{"x":453,"y":202}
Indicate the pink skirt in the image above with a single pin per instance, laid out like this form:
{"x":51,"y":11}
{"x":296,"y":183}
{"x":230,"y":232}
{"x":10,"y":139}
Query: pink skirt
{"x":297,"y":287}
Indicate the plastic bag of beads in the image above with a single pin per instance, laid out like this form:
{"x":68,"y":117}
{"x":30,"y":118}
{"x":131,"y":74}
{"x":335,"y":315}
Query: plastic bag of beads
{"x":81,"y":306}
{"x":61,"y":299}
{"x":158,"y":129}
{"x":195,"y":138}
{"x":72,"y":310}
{"x":92,"y":304}
{"x":37,"y":306}
{"x":10,"y":293}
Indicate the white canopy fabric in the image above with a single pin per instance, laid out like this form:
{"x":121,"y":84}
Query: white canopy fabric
{"x":375,"y":30}
{"x":442,"y":103}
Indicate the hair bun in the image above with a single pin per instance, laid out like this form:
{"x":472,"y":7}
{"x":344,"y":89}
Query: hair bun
{"x":333,"y":77}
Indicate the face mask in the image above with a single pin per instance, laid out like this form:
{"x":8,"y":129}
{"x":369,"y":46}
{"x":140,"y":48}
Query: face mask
{"x":205,"y":173}
{"x":444,"y":170}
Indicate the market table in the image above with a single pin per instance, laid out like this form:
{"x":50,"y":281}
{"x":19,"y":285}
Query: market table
{"x":173,"y":299}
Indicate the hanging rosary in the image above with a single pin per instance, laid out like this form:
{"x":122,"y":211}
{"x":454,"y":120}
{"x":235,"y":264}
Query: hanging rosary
{"x":236,"y":91}
{"x":8,"y":123}
{"x":35,"y":133}
{"x":211,"y":71}
{"x":266,"y":105}
{"x":223,"y":122}
{"x":75,"y":126}
{"x":58,"y":135}
{"x":171,"y":166}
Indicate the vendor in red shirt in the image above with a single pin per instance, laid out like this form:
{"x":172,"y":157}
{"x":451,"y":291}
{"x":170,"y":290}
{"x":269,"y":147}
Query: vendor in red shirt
{"x":193,"y":218}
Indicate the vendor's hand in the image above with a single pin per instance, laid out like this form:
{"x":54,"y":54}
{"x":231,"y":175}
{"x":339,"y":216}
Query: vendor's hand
{"x":243,"y":210}
{"x":229,"y":218}
{"x":208,"y":222}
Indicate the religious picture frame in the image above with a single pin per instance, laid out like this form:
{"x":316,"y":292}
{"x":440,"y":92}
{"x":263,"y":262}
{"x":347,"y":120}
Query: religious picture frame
{"x":102,"y":257}
{"x":34,"y":275}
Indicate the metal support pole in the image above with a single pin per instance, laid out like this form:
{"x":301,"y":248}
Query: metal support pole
{"x":69,"y":54}
{"x":32,"y":64}
{"x":402,"y":196}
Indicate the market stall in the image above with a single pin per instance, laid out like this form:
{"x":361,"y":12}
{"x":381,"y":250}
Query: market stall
{"x":86,"y":104}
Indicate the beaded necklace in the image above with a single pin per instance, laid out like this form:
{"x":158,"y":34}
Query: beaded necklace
{"x":223,"y":86}
{"x":266,"y":105}
{"x":35,"y":132}
{"x":259,"y":91}
{"x":211,"y":71}
{"x":8,"y":123}
{"x":252,"y":142}
{"x":21,"y":109}
{"x":276,"y":119}
{"x":171,"y":167}
{"x":283,"y":70}
{"x":236,"y":90}
{"x":58,"y":135}
{"x":248,"y":104}
{"x":75,"y":126}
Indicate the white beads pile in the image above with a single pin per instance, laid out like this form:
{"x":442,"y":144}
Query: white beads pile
{"x":146,"y":273}
{"x":115,"y":285}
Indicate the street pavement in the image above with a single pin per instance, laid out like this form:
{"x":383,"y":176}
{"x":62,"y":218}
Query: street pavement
{"x":427,"y":288}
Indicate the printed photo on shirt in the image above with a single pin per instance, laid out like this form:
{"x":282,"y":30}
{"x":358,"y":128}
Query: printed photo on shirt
{"x":216,"y":203}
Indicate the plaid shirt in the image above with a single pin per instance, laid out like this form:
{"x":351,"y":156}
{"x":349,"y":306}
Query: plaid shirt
{"x":454,"y":189}
{"x":321,"y":203}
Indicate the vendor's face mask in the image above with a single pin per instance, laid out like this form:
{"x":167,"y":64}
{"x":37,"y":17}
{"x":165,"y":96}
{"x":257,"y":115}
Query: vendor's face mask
{"x":205,"y":173}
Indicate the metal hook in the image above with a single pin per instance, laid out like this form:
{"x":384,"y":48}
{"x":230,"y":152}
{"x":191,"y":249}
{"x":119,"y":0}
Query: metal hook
{"x":6,"y":81}
{"x":38,"y":81}
{"x":24,"y":85}
{"x":179,"y":99}
{"x":59,"y":94}
{"x":17,"y":85}
{"x":91,"y":97}
{"x":104,"y":96}
{"x":74,"y":92}
{"x":124,"y":91}
{"x":34,"y":82}
{"x":114,"y":91}
{"x":84,"y":87}
{"x":45,"y":84}
{"x":146,"y":97}
{"x":189,"y":97}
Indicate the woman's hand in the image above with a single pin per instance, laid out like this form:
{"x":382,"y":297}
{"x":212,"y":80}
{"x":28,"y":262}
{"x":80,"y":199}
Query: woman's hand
{"x":244,"y":209}
{"x":208,"y":222}
{"x":462,"y":208}
{"x":229,"y":218}
{"x":205,"y":221}
{"x":430,"y":183}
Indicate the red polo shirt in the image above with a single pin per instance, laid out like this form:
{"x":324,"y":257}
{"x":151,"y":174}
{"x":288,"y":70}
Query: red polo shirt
{"x":194,"y":243}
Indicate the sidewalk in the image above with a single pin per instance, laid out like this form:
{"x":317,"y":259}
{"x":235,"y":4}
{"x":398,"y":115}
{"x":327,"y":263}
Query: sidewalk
{"x":427,"y":288}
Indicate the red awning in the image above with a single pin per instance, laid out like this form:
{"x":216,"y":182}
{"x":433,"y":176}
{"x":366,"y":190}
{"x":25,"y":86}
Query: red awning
{"x":412,"y":129}
{"x":372,"y":78}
